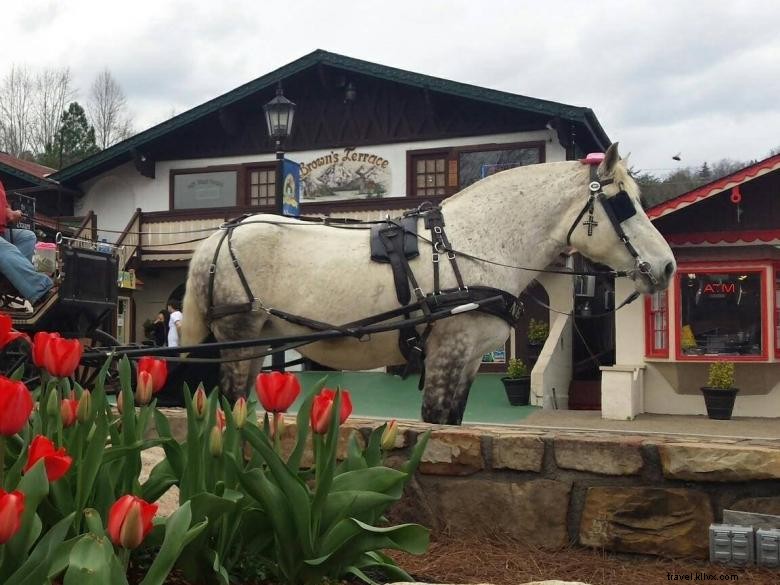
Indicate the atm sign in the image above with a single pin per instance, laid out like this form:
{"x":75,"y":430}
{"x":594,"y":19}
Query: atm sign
{"x":719,"y":288}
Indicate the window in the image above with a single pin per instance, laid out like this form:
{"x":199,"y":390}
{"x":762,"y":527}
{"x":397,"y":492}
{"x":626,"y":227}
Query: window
{"x":721,"y":314}
{"x":430,"y":175}
{"x":205,"y":190}
{"x":444,"y":172}
{"x":657,"y":325}
{"x":262,"y":186}
{"x":476,"y":165}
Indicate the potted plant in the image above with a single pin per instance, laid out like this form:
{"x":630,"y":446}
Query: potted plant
{"x":537,"y":332}
{"x":720,"y":393}
{"x":517,"y":383}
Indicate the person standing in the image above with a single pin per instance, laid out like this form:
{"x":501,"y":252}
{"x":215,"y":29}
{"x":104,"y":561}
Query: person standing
{"x":174,"y":323}
{"x":159,"y":333}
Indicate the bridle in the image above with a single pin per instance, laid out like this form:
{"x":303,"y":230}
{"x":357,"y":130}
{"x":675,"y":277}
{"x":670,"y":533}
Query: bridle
{"x":618,"y":209}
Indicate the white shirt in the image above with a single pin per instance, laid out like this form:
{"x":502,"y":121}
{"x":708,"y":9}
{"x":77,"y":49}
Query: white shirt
{"x":173,"y":333}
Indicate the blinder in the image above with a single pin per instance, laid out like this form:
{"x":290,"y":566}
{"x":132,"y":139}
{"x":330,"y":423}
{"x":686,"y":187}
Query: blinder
{"x":622,"y":206}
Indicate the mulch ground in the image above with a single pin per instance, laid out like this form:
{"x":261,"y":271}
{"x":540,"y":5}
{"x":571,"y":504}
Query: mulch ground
{"x":505,"y":562}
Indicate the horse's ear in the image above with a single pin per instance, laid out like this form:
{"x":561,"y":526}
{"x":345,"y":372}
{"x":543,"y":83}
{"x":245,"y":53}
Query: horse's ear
{"x":610,"y":158}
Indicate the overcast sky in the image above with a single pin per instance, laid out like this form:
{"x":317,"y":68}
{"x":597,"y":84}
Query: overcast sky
{"x":700,"y":77}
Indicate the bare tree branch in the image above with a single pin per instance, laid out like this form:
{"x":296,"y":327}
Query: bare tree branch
{"x":53,"y":92}
{"x":107,"y":110}
{"x":16,"y":99}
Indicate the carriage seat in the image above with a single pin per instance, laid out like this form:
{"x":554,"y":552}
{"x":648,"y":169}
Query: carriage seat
{"x":379,"y":252}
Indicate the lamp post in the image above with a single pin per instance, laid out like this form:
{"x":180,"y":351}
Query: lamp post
{"x":279,"y":113}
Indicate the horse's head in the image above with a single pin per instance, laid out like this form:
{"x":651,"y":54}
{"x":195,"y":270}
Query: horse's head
{"x":613,"y":229}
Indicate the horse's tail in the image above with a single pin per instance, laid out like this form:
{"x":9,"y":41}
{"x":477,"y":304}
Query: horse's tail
{"x":194,"y":328}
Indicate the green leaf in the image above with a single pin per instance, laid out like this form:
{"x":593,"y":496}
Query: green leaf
{"x":35,"y":487}
{"x":295,"y":491}
{"x":414,"y":459}
{"x":342,"y":504}
{"x":346,"y":545}
{"x":372,"y":479}
{"x":90,"y":464}
{"x":36,"y":567}
{"x":374,"y":447}
{"x":302,"y":420}
{"x":92,"y":562}
{"x":160,"y":480}
{"x":177,"y":535}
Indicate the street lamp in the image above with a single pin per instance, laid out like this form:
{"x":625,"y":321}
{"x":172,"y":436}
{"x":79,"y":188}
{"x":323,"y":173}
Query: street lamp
{"x":279,"y":113}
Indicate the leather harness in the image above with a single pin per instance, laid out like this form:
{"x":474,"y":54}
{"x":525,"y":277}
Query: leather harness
{"x":392,"y":244}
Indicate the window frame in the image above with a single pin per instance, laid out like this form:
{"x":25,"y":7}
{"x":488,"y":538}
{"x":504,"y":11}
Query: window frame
{"x":451,"y":155}
{"x":242,"y":170}
{"x":762,"y":269}
{"x":650,"y":330}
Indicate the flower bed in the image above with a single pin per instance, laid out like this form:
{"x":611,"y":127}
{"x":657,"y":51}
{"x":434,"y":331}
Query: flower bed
{"x":74,"y":510}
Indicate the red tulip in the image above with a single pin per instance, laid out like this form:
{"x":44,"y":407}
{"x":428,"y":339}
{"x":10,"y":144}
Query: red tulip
{"x":60,"y":357}
{"x":68,"y":409}
{"x":322,"y":407}
{"x":11,"y":509}
{"x":158,"y":369}
{"x":199,"y":402}
{"x":8,"y":333}
{"x":221,"y":423}
{"x":57,"y":461}
{"x":277,"y":390}
{"x":130,"y":521}
{"x":40,"y":342}
{"x":16,"y":404}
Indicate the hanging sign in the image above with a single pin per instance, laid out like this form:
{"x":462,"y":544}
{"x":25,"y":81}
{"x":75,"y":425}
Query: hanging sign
{"x":291,"y":188}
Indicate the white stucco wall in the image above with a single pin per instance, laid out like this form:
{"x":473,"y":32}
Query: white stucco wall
{"x":116,"y":194}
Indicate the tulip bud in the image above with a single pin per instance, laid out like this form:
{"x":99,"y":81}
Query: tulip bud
{"x":11,"y":509}
{"x":389,"y":435}
{"x":239,"y":412}
{"x":84,"y":410}
{"x":221,"y":423}
{"x":199,"y":402}
{"x":215,"y":442}
{"x":247,"y":451}
{"x":143,"y":388}
{"x":119,"y":403}
{"x":68,"y":408}
{"x":53,"y":403}
{"x":130,"y":521}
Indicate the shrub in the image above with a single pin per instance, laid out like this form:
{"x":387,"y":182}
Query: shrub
{"x":516,"y":369}
{"x":537,"y":331}
{"x":721,"y":375}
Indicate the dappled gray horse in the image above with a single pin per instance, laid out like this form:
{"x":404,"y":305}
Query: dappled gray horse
{"x":524,"y":216}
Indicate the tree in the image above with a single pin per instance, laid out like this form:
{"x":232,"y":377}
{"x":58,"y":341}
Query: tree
{"x":705,"y":174}
{"x":16,"y":98}
{"x":107,"y":109}
{"x":74,"y":141}
{"x":53,"y":91}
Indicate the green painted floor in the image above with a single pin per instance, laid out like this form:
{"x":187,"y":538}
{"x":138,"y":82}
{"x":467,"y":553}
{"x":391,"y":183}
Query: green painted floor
{"x":381,"y":395}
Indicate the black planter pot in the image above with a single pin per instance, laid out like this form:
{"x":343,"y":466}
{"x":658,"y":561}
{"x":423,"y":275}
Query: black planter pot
{"x":518,"y":390}
{"x":719,"y":402}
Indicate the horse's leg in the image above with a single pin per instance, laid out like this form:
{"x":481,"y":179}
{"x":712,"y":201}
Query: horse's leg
{"x":235,"y":373}
{"x":453,"y":353}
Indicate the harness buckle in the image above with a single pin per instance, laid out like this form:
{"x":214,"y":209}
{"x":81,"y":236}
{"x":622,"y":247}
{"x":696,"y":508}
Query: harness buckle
{"x":435,"y":258}
{"x":437,"y":229}
{"x":451,"y":255}
{"x":594,"y":186}
{"x":213,"y":269}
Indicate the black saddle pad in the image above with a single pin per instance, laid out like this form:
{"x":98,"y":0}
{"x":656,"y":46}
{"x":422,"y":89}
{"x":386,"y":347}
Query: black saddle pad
{"x":411,"y":250}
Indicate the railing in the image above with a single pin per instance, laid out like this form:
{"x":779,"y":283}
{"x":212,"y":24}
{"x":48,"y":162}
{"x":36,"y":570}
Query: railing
{"x":128,"y":242}
{"x":173,"y":237}
{"x":85,"y":235}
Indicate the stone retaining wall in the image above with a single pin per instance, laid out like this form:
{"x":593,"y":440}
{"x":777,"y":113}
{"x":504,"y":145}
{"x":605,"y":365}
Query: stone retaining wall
{"x":627,"y":493}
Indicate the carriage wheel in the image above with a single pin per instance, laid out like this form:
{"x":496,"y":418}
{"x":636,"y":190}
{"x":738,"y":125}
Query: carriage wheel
{"x":87,"y":373}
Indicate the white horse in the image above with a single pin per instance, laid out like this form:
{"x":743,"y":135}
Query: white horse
{"x":519,"y":217}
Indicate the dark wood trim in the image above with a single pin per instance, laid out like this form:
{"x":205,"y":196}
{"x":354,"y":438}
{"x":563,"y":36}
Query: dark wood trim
{"x":451,"y":153}
{"x":166,"y":263}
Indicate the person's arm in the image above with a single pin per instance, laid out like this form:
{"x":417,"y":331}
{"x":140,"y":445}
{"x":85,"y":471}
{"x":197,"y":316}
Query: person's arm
{"x":13,"y":215}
